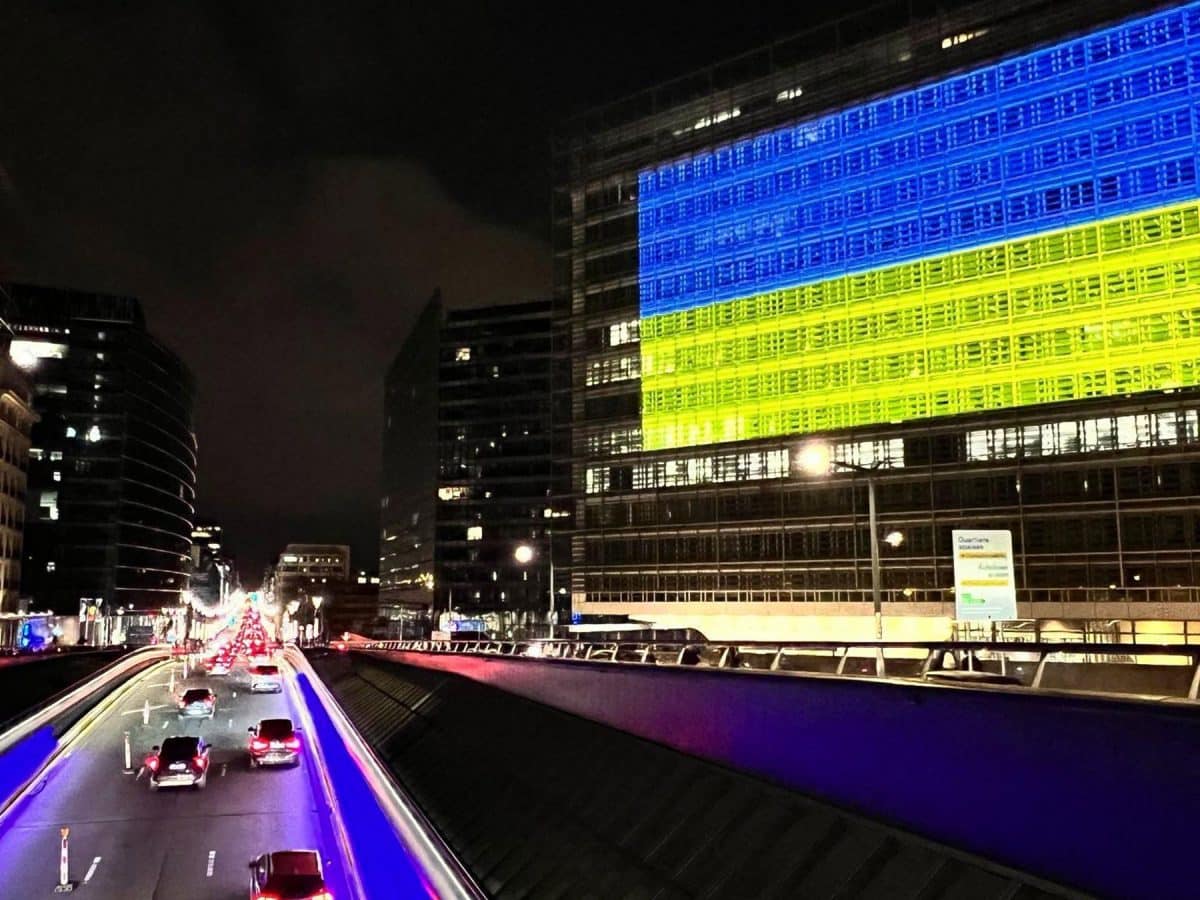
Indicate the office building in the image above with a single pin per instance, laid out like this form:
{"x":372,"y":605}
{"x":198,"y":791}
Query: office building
{"x":502,"y":466}
{"x":16,"y":423}
{"x":304,"y":567}
{"x":112,"y":475}
{"x":956,"y":249}
{"x":410,"y":459}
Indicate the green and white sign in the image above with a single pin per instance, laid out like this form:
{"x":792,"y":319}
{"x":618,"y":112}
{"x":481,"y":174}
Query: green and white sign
{"x":984,"y":586}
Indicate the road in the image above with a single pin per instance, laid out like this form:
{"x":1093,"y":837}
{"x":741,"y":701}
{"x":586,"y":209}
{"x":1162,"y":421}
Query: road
{"x":128,"y":843}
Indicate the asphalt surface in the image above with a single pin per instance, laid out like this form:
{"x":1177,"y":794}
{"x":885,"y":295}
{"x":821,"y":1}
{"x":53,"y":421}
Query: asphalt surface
{"x":127,"y":842}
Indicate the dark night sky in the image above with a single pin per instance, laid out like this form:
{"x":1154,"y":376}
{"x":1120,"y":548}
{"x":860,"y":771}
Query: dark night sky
{"x":284,"y":184}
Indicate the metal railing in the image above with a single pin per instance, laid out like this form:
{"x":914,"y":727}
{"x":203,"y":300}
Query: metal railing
{"x":1158,"y":671}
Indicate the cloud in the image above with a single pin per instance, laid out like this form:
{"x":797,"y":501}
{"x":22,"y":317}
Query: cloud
{"x":289,"y":320}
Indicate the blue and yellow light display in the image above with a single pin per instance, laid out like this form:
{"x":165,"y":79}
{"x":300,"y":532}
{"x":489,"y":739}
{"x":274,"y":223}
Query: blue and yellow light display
{"x":1022,"y":233}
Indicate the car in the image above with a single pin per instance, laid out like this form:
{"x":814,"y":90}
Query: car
{"x":266,"y":678}
{"x":197,"y":703}
{"x":274,"y":742}
{"x":220,"y":666}
{"x":181,"y":761}
{"x":288,"y":875}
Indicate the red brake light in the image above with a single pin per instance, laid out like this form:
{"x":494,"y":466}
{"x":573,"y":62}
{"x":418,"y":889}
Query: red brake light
{"x":292,"y":743}
{"x":199,"y":761}
{"x":258,"y":743}
{"x":321,"y":895}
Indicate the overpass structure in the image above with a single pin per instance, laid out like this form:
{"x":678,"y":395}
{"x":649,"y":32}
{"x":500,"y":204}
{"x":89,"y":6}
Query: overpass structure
{"x":844,"y":771}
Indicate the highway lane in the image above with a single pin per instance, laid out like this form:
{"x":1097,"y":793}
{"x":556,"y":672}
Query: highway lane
{"x":127,"y":842}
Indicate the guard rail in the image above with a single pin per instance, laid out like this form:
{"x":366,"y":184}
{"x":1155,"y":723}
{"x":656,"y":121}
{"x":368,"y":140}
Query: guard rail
{"x":1161,"y":670}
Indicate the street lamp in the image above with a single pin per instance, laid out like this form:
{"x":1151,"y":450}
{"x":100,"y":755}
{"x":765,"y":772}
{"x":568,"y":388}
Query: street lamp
{"x":523,"y":555}
{"x":816,"y":459}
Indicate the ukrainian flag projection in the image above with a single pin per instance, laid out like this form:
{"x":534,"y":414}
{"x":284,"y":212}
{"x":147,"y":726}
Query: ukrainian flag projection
{"x":1023,"y":233}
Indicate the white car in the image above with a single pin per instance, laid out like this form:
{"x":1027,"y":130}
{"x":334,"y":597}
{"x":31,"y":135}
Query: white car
{"x":266,"y":679}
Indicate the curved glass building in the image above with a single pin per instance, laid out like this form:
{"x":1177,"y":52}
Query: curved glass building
{"x":112,"y":480}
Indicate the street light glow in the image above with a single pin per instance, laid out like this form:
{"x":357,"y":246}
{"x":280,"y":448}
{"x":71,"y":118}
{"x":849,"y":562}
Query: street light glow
{"x":814,"y":458}
{"x":523,"y":554}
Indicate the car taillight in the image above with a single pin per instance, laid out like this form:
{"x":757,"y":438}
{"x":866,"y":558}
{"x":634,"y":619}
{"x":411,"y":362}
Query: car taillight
{"x":321,"y":895}
{"x":266,"y":897}
{"x":292,"y":743}
{"x":208,"y":701}
{"x":199,"y":762}
{"x":258,"y":744}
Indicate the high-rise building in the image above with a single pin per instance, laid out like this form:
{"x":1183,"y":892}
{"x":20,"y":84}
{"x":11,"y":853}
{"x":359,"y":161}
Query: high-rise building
{"x":953,"y":246}
{"x":16,"y":422}
{"x":502,"y":466}
{"x":410,"y":462}
{"x":212,"y":576}
{"x":112,"y":477}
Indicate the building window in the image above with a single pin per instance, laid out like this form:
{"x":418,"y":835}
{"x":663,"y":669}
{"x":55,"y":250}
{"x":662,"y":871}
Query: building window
{"x":462,"y":354}
{"x":475,"y":533}
{"x":93,"y":434}
{"x":623,"y":333}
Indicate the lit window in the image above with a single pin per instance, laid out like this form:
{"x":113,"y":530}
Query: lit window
{"x":70,"y":431}
{"x":93,"y":434}
{"x":57,"y":476}
{"x":55,"y":455}
{"x":26,"y":354}
{"x":453,"y":492}
{"x":955,"y":39}
{"x":462,"y":354}
{"x":50,"y":565}
{"x":36,"y":453}
{"x":789,"y":94}
{"x":99,"y":356}
{"x":475,"y":533}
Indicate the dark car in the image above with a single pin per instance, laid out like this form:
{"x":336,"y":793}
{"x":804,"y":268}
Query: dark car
{"x":197,"y":703}
{"x":288,"y":875}
{"x":274,"y":742}
{"x":180,"y":762}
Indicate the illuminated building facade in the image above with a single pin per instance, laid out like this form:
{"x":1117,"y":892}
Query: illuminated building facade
{"x":112,"y":473}
{"x":16,"y":423}
{"x":964,"y":250}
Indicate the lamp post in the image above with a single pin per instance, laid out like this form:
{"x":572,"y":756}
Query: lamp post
{"x":817,"y":460}
{"x":523,"y":555}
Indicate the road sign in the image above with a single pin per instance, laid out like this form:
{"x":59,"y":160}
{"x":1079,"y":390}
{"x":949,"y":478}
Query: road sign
{"x":985,"y":588}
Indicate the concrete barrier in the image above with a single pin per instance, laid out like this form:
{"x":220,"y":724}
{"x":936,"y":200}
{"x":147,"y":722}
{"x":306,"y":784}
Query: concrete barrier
{"x":1092,"y":792}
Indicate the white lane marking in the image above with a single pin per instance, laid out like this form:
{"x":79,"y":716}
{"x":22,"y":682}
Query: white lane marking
{"x":92,"y":871}
{"x":224,"y":766}
{"x":212,"y":858}
{"x":142,"y":709}
{"x":231,"y":723}
{"x":165,"y":724}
